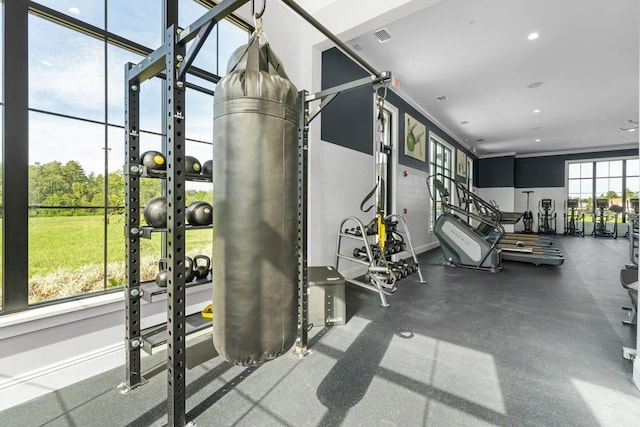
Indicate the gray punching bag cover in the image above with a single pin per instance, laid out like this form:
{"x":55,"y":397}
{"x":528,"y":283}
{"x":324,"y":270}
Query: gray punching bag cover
{"x":255,"y":152}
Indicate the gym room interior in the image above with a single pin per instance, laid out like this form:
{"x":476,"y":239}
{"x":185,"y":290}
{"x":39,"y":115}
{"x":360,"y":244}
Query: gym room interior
{"x":319,"y":213}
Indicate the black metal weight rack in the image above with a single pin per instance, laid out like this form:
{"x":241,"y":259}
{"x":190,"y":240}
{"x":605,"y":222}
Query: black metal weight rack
{"x":173,"y":59}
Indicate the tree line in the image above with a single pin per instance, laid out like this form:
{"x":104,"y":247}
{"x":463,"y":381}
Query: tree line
{"x":66,"y":189}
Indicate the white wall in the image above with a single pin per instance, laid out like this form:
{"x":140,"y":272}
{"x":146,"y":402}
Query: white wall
{"x":503,"y":196}
{"x":343,"y":178}
{"x":557,"y":194}
{"x":511,"y":199}
{"x":414,"y":204}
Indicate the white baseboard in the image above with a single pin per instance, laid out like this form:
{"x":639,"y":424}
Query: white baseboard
{"x":20,"y":389}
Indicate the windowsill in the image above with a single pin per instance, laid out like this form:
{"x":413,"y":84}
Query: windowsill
{"x":61,"y":313}
{"x":53,"y":310}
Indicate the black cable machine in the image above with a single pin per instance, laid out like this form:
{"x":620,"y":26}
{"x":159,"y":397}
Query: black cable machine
{"x":381,"y":242}
{"x":174,"y":60}
{"x":600,"y":219}
{"x":572,"y":217}
{"x":547,"y":217}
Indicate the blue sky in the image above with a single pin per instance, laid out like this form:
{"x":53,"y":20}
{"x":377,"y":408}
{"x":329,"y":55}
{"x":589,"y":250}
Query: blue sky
{"x":67,"y":73}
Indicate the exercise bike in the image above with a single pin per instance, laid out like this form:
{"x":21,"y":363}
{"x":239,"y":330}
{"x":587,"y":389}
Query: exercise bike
{"x":547,"y":217}
{"x":600,"y":220}
{"x":572,"y":218}
{"x":527,"y":218}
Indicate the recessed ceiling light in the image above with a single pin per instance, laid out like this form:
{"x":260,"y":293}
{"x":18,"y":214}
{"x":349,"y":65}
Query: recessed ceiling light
{"x":533,"y":36}
{"x":538,"y":140}
{"x":534,"y":85}
{"x":632,"y":130}
{"x":536,"y":111}
{"x":442,"y":98}
{"x":74,"y":10}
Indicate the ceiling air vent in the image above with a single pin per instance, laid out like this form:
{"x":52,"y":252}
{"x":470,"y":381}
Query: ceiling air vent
{"x":382,"y":35}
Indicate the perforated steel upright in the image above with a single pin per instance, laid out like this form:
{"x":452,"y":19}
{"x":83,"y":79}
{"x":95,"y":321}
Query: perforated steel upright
{"x":133,"y":342}
{"x":303,"y":146}
{"x":175,"y":132}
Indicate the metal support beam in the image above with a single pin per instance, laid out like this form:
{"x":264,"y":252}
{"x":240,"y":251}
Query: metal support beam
{"x":175,"y":131}
{"x":328,"y":34}
{"x":382,"y":79}
{"x":321,"y":107}
{"x":328,"y":95}
{"x":149,"y":67}
{"x":303,"y":148}
{"x":132,"y":339}
{"x":154,"y":63}
{"x":214,"y":15}
{"x":195,"y":48}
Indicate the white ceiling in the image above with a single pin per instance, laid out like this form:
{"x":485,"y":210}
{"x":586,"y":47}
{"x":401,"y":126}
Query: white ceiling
{"x":476,"y":53}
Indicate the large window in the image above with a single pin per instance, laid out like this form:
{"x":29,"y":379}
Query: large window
{"x":581,"y":184}
{"x":77,"y":52}
{"x":615,"y":180}
{"x":440,"y":162}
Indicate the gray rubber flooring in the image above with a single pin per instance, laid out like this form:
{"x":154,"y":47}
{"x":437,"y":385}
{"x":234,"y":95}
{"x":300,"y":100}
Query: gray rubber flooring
{"x":529,"y":346}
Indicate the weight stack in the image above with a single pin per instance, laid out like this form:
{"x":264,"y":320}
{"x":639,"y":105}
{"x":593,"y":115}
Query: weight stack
{"x":255,"y":211}
{"x":326,"y":297}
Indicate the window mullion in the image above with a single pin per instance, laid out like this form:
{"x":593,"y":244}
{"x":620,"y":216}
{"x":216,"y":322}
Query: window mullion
{"x":16,"y":158}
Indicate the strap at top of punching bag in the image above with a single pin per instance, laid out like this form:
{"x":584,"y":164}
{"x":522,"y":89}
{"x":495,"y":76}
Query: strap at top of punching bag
{"x":253,"y":67}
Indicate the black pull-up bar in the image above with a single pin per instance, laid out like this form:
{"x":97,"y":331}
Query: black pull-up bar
{"x":199,"y":30}
{"x":339,"y":43}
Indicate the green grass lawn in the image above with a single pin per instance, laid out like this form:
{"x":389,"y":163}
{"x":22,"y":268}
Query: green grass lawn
{"x":71,"y":242}
{"x":66,"y":254}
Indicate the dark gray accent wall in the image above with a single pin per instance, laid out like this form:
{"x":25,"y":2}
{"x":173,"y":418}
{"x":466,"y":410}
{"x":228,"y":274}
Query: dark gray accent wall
{"x":348,"y":120}
{"x":548,"y":171}
{"x":496,"y":172}
{"x":533,"y":172}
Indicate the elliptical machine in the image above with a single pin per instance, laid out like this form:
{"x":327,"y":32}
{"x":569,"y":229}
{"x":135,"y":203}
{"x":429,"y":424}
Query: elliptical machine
{"x":571,"y":218}
{"x":527,"y":218}
{"x":547,"y":217}
{"x":600,"y":220}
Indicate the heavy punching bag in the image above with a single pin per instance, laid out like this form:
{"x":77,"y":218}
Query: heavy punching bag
{"x":255,"y":210}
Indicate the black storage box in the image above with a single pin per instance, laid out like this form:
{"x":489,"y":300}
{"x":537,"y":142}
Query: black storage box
{"x":326,"y":297}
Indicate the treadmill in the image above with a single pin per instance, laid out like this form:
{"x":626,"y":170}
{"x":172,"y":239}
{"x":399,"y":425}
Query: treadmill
{"x":479,"y":246}
{"x":515,"y":238}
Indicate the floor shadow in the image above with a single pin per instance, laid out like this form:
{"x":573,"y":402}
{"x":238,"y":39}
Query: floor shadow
{"x":347,"y":382}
